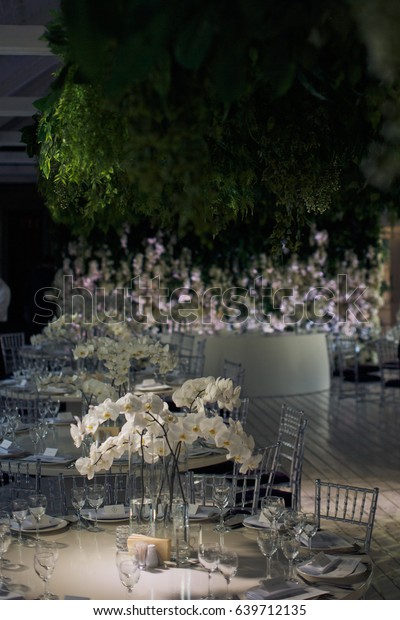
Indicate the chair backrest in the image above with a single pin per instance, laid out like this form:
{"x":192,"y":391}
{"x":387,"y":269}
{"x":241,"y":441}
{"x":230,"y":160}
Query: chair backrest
{"x":191,"y":366}
{"x":388,"y":354}
{"x":23,"y":478}
{"x":234,"y":371}
{"x":347,"y":504}
{"x":245,"y":489}
{"x":17,"y":478}
{"x":29,"y":407}
{"x":10,"y":346}
{"x":240,"y":413}
{"x":53,"y":487}
{"x":291,"y":435}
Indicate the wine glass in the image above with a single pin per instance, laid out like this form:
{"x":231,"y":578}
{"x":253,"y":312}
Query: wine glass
{"x":290,"y":546}
{"x":268,"y":544}
{"x":20,"y":510}
{"x":78,"y":500}
{"x":208,"y":555}
{"x":128,"y":569}
{"x":44,"y":562}
{"x":5,"y":542}
{"x":310,"y":529}
{"x":272,"y":508}
{"x":95,"y":498}
{"x":221,"y":497}
{"x":37,"y":504}
{"x":34,"y":437}
{"x":293,"y":521}
{"x":228,"y":566}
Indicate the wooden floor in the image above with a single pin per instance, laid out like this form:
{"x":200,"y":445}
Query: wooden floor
{"x":356,"y":443}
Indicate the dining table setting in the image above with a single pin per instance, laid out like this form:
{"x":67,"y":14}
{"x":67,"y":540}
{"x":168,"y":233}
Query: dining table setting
{"x":213,"y":565}
{"x":161,"y":539}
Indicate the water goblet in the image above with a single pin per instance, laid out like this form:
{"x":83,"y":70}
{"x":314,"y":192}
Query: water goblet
{"x":37,"y":504}
{"x":208,"y":554}
{"x":221,"y":496}
{"x":290,"y":546}
{"x":272,"y":508}
{"x":228,"y":566}
{"x":5,"y":542}
{"x":268,"y":545}
{"x":20,"y":510}
{"x":310,"y":529}
{"x":44,"y":562}
{"x":95,"y":498}
{"x":78,"y":500}
{"x":128,"y":570}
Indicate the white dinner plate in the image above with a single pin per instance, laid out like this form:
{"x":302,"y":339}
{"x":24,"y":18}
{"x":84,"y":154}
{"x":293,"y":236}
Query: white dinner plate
{"x":152,"y":388}
{"x":253,"y":523}
{"x":333,"y":577}
{"x":57,"y":524}
{"x":89,"y":515}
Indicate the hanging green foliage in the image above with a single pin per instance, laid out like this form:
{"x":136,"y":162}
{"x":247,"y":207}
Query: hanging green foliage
{"x":194,"y":115}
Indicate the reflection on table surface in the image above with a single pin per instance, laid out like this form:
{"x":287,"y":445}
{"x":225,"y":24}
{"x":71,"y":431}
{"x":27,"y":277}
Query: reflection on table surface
{"x":86,"y":567}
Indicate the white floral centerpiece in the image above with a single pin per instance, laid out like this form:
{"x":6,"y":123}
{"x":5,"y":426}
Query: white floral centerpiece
{"x":155,"y":433}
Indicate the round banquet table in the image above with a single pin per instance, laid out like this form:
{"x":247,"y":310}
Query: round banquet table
{"x":86,"y":568}
{"x":59,"y":437}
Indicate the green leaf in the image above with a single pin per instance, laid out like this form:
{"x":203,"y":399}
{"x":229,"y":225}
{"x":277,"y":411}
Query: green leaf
{"x":193,"y":44}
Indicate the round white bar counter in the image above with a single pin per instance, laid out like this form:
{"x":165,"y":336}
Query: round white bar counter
{"x":276,"y":365}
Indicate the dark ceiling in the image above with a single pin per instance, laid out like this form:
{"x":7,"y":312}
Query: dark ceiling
{"x":26,"y":69}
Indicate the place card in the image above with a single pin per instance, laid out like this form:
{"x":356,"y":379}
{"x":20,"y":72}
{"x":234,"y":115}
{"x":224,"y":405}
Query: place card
{"x":113,"y":511}
{"x":5,"y":444}
{"x":50,"y":452}
{"x":193,"y":509}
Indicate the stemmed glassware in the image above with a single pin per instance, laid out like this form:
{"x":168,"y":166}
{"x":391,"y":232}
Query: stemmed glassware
{"x":95,"y":497}
{"x":228,"y":566}
{"x":310,"y":529}
{"x":290,"y":546}
{"x":20,"y":511}
{"x":222,"y":494}
{"x":209,"y":554}
{"x":44,"y":562}
{"x":294,"y":522}
{"x":78,"y":500}
{"x":37,"y":504}
{"x":5,"y":542}
{"x":272,"y":508}
{"x":34,"y":437}
{"x":268,"y":544}
{"x":128,"y":570}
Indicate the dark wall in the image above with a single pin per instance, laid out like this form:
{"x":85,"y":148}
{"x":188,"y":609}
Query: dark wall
{"x":27,"y":240}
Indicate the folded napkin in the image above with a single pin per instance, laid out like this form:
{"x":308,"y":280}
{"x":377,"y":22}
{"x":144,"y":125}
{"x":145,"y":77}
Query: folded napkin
{"x":344,"y":568}
{"x":275,"y":589}
{"x":30,"y":523}
{"x":320,"y":564}
{"x":325,"y":540}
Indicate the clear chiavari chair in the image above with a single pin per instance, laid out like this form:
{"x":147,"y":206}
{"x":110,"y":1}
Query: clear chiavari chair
{"x":352,"y":508}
